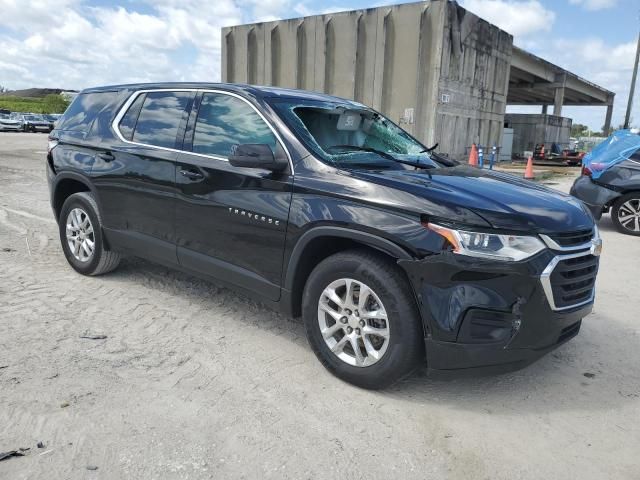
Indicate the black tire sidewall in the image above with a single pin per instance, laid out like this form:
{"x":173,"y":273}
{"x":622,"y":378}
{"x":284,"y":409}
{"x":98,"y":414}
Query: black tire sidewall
{"x":615,"y":210}
{"x":406,"y":335}
{"x":78,"y":200}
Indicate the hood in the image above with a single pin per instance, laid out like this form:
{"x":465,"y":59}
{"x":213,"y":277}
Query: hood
{"x":503,"y":200}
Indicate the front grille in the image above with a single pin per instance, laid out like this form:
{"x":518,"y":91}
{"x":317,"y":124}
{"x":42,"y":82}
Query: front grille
{"x":573,"y":280}
{"x":572,"y":239}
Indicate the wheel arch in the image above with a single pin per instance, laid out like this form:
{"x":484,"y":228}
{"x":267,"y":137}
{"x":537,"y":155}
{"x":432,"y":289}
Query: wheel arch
{"x":321,"y":242}
{"x":66,"y":185}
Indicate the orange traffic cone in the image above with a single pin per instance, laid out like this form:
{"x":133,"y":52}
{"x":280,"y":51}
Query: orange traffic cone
{"x":473,"y":156}
{"x":528,"y":172}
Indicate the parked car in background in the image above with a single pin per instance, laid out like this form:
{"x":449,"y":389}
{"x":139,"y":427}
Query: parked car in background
{"x":9,"y":124}
{"x":52,"y":118}
{"x":610,"y":181}
{"x":32,"y":122}
{"x":325,"y":209}
{"x":36,"y":123}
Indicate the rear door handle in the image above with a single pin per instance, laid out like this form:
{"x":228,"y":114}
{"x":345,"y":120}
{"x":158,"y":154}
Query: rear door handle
{"x":106,"y":156}
{"x":192,"y":174}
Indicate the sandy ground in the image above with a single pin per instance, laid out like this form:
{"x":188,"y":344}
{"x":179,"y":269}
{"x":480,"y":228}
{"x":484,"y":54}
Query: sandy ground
{"x":194,"y":381}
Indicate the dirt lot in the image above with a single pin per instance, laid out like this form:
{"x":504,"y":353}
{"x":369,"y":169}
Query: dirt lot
{"x":194,"y":381}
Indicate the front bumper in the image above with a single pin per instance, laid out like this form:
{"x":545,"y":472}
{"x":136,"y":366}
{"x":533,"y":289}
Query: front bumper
{"x":595,"y":196}
{"x":486,"y":317}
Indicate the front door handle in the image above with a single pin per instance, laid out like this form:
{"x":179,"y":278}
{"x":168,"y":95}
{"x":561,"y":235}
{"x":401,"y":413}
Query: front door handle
{"x":191,"y":174}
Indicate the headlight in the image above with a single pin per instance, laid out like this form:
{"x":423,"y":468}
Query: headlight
{"x":510,"y":248}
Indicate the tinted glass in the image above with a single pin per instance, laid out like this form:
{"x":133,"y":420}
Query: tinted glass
{"x":160,"y":118}
{"x":352,"y":135}
{"x":84,"y":109}
{"x":224,"y":121}
{"x":128,"y":122}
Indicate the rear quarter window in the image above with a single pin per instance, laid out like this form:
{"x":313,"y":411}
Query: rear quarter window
{"x":85,"y":109}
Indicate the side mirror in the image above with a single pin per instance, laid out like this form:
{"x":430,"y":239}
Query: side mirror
{"x":256,"y":155}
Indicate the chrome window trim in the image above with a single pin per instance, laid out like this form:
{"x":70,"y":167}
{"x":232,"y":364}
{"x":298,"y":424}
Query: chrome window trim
{"x":123,"y":110}
{"x":545,"y":280}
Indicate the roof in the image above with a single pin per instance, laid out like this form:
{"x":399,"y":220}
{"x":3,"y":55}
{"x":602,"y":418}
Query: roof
{"x":533,"y":80}
{"x":254,"y":90}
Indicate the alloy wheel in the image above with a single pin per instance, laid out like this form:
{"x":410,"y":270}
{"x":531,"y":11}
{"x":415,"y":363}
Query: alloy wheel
{"x":629,"y":215}
{"x":353,"y":322}
{"x":80,"y":235}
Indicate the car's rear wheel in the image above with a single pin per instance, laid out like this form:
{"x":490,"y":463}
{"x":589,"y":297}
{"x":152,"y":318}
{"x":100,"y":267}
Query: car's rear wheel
{"x":81,"y":236}
{"x":361,"y":319}
{"x":625,"y":213}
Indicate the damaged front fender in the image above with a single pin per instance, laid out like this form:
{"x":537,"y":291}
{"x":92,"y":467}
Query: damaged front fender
{"x":452,"y":289}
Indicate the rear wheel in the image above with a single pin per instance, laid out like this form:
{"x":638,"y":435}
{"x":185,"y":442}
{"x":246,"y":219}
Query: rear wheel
{"x":81,"y":236}
{"x":361,"y":319}
{"x":625,"y":213}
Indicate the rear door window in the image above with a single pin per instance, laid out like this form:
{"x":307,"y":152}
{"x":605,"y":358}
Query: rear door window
{"x":160,"y":118}
{"x":224,"y":121}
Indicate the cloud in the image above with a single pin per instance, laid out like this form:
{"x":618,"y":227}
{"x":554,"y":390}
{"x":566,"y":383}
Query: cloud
{"x":518,"y":17}
{"x":70,"y":44}
{"x":594,"y":4}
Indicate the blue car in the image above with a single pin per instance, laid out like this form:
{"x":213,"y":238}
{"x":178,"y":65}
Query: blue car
{"x":610,"y":181}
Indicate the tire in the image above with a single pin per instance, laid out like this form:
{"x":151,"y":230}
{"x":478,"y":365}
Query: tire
{"x":625,"y":213}
{"x":101,"y":260}
{"x":404,"y":348}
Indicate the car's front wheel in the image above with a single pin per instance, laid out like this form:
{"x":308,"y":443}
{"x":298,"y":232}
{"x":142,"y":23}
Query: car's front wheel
{"x":361,"y":319}
{"x":625,"y":213}
{"x":80,"y":228}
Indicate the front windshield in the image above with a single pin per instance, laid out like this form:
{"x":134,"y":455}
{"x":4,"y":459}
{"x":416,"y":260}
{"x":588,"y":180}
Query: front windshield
{"x":353,"y":136}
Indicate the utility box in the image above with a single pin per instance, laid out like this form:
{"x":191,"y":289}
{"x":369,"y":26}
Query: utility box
{"x":433,"y":67}
{"x":530,"y":130}
{"x":506,"y":152}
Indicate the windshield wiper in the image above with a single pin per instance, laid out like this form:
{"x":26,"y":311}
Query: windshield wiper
{"x":386,"y":155}
{"x":430,"y":149}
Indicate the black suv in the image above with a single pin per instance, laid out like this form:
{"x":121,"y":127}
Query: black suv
{"x":326,"y":209}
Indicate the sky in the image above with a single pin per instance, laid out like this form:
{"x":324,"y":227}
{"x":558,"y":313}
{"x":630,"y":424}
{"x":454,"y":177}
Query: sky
{"x":74,"y":44}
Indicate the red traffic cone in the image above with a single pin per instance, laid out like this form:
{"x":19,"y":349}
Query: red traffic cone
{"x":473,"y":156}
{"x":528,"y":172}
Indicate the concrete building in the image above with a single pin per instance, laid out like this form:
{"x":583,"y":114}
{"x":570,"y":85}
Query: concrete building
{"x":443,"y":73}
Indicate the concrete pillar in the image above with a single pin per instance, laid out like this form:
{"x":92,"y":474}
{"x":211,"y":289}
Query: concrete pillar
{"x":544,"y":109}
{"x":558,"y":101}
{"x":561,"y":80}
{"x":607,"y":120}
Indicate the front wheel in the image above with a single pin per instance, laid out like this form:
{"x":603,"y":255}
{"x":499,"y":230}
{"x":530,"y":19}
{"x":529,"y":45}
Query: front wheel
{"x":361,"y":319}
{"x":625,"y":213}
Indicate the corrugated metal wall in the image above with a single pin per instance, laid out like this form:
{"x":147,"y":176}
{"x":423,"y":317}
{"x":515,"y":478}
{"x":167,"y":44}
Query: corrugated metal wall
{"x":431,"y":66}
